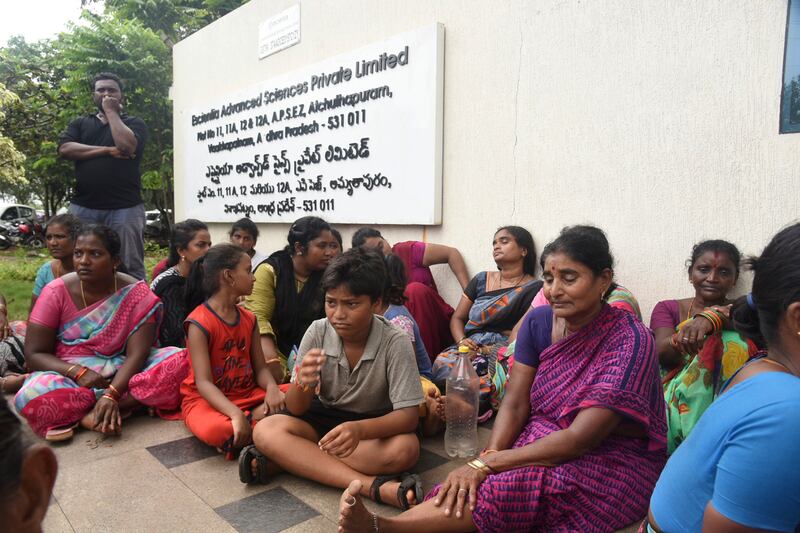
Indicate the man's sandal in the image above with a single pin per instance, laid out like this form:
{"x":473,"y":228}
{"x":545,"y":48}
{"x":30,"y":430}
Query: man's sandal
{"x":408,"y":481}
{"x":246,"y":457}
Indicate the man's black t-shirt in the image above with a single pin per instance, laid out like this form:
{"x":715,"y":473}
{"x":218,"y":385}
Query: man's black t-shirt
{"x":106,"y":182}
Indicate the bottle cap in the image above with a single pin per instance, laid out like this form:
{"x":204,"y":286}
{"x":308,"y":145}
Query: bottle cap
{"x":463,"y":349}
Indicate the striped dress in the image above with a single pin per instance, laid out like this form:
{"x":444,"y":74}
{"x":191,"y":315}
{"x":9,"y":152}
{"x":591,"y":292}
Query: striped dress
{"x":611,"y":363}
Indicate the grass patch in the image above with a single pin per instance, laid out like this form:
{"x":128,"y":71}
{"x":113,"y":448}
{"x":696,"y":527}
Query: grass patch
{"x":18,"y":297}
{"x":18,"y":272}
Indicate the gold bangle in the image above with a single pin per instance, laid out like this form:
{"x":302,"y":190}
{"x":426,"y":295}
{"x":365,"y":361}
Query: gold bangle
{"x":273,"y":360}
{"x":68,"y":373}
{"x":478,"y":464}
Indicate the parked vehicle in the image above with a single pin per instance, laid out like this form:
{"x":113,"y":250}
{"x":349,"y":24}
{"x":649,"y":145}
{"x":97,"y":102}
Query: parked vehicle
{"x":22,"y":232}
{"x":156,"y":227}
{"x":9,"y":212}
{"x":5,"y":242}
{"x":31,"y":233}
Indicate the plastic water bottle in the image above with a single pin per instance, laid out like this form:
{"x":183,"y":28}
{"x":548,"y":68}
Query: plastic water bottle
{"x":461,"y":408}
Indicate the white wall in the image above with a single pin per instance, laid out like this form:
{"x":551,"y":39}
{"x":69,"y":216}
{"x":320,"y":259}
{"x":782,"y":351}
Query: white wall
{"x":657,"y":121}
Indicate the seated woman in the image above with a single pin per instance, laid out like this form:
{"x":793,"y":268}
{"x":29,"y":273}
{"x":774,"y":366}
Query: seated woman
{"x":189,"y":242}
{"x":738,"y":470}
{"x":244,"y":234}
{"x":287,"y":297}
{"x":90,"y":346}
{"x":697,"y":348}
{"x":491,"y":305}
{"x":543,"y":328}
{"x":578,"y":448}
{"x":60,"y":237}
{"x":430,"y":311}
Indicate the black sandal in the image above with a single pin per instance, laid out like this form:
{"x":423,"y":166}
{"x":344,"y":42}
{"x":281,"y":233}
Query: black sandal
{"x":407,"y":481}
{"x":246,"y":457}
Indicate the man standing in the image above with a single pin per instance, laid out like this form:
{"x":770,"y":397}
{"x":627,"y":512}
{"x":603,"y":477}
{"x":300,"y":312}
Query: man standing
{"x":107,"y":148}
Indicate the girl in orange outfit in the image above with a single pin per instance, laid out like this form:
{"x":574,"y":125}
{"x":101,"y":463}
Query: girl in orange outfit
{"x":229,"y":387}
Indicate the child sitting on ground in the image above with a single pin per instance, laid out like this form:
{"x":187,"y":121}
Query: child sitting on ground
{"x":431,"y":412}
{"x":229,"y":387}
{"x":355,"y":396}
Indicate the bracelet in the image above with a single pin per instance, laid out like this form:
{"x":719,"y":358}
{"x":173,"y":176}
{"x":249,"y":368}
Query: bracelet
{"x":109,"y":397}
{"x":273,"y":360}
{"x":478,"y":464}
{"x":83,"y":371}
{"x":113,"y":392}
{"x":487,"y":451}
{"x":713,"y":317}
{"x":68,"y":373}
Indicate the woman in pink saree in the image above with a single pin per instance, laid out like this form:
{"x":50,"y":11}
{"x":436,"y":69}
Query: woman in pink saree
{"x":90,"y":347}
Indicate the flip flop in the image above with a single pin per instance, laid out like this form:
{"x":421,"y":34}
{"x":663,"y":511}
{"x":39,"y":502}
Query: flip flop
{"x":246,"y":457}
{"x":407,"y":481}
{"x":60,"y":434}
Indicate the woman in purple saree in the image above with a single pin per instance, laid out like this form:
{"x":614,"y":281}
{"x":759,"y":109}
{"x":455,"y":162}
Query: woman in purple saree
{"x":580,"y":438}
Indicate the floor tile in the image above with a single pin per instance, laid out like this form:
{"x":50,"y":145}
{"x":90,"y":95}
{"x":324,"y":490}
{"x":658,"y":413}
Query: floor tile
{"x":132,"y":492}
{"x":182,"y":451}
{"x":325,"y":500}
{"x":55,"y":521}
{"x":428,"y":460}
{"x":137,"y":433}
{"x":270,"y":511}
{"x":319,"y":524}
{"x":216,"y":481}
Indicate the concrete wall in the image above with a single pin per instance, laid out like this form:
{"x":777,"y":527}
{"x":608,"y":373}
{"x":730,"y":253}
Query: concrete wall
{"x":657,"y":121}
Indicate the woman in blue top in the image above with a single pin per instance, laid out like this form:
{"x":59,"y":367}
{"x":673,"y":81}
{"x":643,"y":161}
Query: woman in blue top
{"x":60,"y":236}
{"x":738,"y":470}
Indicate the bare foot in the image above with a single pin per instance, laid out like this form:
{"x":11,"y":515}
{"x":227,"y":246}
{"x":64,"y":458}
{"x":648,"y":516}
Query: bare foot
{"x":12,"y":382}
{"x":87,"y":422}
{"x":433,"y":422}
{"x":353,"y":516}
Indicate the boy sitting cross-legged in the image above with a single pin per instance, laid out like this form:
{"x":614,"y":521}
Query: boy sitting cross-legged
{"x":354,"y":398}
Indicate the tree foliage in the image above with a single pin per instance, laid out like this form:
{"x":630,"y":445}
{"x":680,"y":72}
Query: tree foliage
{"x":12,"y":172}
{"x":132,"y":38}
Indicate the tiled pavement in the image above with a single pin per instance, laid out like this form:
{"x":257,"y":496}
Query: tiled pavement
{"x":157,"y":477}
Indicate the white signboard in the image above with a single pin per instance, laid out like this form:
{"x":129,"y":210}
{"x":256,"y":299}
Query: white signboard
{"x":279,"y":32}
{"x":354,"y":139}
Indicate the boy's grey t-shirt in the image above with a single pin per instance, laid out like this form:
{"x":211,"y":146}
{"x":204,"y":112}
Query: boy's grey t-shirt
{"x":384,"y":379}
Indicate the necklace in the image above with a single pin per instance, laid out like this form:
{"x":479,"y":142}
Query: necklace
{"x":516,"y":283}
{"x":83,"y":295}
{"x":689,"y":312}
{"x":774,"y":362}
{"x":58,"y":270}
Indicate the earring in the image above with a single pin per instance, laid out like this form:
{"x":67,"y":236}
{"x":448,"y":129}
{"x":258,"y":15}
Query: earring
{"x":183,"y":258}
